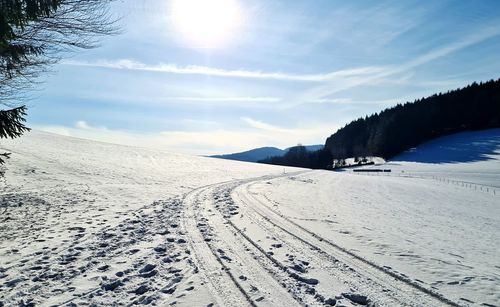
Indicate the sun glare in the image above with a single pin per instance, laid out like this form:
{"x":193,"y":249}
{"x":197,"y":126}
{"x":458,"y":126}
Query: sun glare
{"x":206,"y":23}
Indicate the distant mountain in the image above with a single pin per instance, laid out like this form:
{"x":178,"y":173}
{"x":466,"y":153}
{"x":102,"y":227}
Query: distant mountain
{"x":262,"y":153}
{"x":253,"y":155}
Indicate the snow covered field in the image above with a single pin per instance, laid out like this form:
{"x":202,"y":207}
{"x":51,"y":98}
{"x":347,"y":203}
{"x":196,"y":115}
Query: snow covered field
{"x":92,"y":223}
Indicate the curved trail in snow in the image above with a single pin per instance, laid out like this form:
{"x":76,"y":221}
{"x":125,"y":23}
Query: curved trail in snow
{"x":231,"y":266}
{"x":252,"y":255}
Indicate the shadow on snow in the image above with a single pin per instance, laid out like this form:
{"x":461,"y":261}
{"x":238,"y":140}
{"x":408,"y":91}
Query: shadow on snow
{"x":471,"y":146}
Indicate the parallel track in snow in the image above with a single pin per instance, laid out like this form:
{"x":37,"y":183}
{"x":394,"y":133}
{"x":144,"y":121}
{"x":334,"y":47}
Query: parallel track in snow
{"x":336,"y":252}
{"x":223,"y":250}
{"x":222,"y":257}
{"x":205,"y":256}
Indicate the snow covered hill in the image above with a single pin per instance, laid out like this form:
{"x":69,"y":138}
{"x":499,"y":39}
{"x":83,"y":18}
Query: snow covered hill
{"x":94,"y":223}
{"x":434,"y":219}
{"x":464,"y":147}
{"x":472,"y":157}
{"x":73,"y":209}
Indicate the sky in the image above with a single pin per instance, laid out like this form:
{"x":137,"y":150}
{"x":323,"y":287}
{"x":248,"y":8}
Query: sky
{"x":219,"y":76}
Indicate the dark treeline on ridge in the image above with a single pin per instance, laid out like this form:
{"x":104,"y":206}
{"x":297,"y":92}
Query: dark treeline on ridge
{"x":299,"y":156}
{"x":402,"y":127}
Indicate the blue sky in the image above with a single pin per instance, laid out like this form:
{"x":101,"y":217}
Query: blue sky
{"x":288,"y":72}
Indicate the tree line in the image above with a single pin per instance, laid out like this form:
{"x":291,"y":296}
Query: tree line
{"x":404,"y":126}
{"x":299,"y":156}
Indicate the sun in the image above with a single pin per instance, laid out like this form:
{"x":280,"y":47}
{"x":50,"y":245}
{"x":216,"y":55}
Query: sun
{"x":206,"y":23}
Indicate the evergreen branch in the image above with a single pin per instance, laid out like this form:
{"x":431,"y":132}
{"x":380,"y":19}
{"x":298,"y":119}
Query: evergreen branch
{"x":12,"y":122}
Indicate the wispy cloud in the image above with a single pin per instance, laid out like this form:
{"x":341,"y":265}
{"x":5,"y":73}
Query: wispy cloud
{"x":219,"y":72}
{"x":263,"y":126}
{"x":352,"y":81}
{"x":81,"y":124}
{"x":309,"y":135}
{"x":227,"y":99}
{"x":332,"y":100}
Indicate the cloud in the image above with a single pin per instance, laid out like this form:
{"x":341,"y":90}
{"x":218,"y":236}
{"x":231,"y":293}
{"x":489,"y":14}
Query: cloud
{"x":227,"y":99}
{"x":219,"y":72}
{"x":310,"y":135}
{"x":201,"y":142}
{"x":263,"y":126}
{"x":333,"y":100}
{"x":352,"y":81}
{"x":82,"y":125}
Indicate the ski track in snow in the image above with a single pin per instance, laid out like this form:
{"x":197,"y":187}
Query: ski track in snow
{"x":246,"y":254}
{"x":450,"y":253}
{"x":165,"y":229}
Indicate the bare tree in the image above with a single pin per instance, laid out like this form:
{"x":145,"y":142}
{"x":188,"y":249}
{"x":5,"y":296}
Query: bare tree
{"x":34,"y":34}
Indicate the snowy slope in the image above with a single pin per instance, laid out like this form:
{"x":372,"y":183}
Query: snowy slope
{"x":71,"y":206}
{"x":93,"y":223}
{"x":435,"y":219}
{"x":472,"y":157}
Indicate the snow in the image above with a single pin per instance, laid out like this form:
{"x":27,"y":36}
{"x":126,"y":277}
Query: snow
{"x":435,"y":217}
{"x":86,"y":223}
{"x":62,"y":195}
{"x":471,"y":157}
